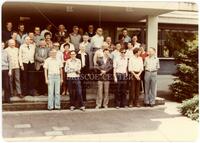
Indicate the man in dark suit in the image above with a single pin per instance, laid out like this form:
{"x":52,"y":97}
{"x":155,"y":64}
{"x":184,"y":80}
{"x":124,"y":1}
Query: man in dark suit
{"x":41,"y":53}
{"x":60,"y":35}
{"x":6,"y":34}
{"x":84,"y":57}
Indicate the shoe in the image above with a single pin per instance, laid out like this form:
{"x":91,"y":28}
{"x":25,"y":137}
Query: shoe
{"x":130,"y":106}
{"x":50,"y":109}
{"x":105,"y":107}
{"x":6,"y":101}
{"x":146,"y":105}
{"x":20,"y":95}
{"x":152,"y":105}
{"x":97,"y":107}
{"x":57,"y":109}
{"x":72,"y":108}
{"x":137,"y":105}
{"x":117,"y":107}
{"x":64,"y":93}
{"x":82,"y":108}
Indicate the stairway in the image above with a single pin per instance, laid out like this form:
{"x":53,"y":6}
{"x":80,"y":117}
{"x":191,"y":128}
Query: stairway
{"x":40,"y":102}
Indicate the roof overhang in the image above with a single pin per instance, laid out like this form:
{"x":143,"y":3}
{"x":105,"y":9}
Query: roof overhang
{"x":117,"y":11}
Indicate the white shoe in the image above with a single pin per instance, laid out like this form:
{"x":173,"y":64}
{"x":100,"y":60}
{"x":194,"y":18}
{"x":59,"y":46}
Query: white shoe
{"x":82,"y":108}
{"x":97,"y":107}
{"x":106,"y":107}
{"x":72,"y":108}
{"x":117,"y":107}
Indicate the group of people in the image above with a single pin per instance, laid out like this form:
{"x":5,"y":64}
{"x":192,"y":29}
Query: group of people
{"x":64,"y":62}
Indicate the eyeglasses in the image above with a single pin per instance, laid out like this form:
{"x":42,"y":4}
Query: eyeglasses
{"x":123,"y":52}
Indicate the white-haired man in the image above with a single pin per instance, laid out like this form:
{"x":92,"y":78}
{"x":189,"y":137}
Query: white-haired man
{"x":26,"y":61}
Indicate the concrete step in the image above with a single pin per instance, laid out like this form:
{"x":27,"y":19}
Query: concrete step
{"x":40,"y":102}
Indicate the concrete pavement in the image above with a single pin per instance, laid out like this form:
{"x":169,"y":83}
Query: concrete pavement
{"x":161,"y":123}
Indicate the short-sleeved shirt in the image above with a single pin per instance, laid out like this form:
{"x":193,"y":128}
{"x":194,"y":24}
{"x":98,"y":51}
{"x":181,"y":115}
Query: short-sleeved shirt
{"x":53,"y":65}
{"x":151,"y":63}
{"x":120,"y":64}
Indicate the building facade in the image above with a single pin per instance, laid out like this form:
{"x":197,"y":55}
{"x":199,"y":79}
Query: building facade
{"x":154,"y":22}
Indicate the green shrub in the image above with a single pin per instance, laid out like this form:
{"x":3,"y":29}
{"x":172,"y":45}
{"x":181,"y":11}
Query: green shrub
{"x":186,"y":84}
{"x":190,"y":108}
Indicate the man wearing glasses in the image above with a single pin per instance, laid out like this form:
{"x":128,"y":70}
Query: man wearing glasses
{"x":120,"y":65}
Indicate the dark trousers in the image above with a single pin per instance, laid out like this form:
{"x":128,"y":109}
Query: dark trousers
{"x":120,"y":95}
{"x":40,"y":84}
{"x":84,"y":86}
{"x":142,"y":82}
{"x":75,"y":91}
{"x":5,"y":85}
{"x":28,"y":78}
{"x":134,"y":91}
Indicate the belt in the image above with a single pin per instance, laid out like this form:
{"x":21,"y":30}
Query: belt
{"x":54,"y":74}
{"x":151,"y":71}
{"x":95,"y":48}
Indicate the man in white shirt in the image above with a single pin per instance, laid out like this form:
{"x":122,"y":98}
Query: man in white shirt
{"x":26,"y":61}
{"x":129,"y":51}
{"x":73,"y":69}
{"x":151,"y":65}
{"x":54,"y":78}
{"x":135,"y":67}
{"x":97,"y":41}
{"x":134,"y":42}
{"x":13,"y":53}
{"x":120,"y":66}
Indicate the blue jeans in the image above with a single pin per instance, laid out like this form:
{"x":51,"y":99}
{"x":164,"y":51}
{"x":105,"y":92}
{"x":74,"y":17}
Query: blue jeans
{"x":75,"y":91}
{"x":54,"y":89}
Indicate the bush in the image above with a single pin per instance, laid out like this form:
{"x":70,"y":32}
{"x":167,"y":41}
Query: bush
{"x":186,"y":84}
{"x":190,"y":108}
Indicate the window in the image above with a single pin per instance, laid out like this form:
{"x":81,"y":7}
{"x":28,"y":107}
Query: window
{"x":168,"y":38}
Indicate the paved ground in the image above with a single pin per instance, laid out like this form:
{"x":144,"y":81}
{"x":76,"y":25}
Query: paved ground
{"x":161,"y":123}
